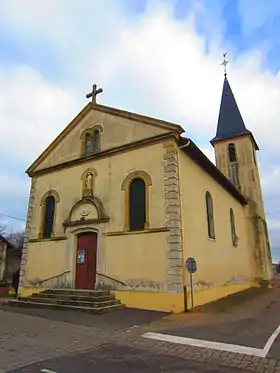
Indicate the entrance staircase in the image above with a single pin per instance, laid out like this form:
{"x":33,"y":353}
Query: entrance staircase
{"x":92,"y":301}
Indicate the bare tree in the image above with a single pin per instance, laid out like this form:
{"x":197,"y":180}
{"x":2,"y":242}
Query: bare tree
{"x":3,"y":230}
{"x":2,"y":233}
{"x":16,"y":239}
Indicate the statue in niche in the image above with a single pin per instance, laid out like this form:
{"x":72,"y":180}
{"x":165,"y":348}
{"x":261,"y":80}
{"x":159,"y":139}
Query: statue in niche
{"x":88,"y":185}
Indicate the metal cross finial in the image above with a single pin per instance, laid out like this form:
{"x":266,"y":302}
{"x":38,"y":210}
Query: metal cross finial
{"x":224,"y":63}
{"x":94,"y":93}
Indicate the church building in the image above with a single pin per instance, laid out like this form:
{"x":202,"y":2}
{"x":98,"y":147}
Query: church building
{"x":120,"y":201}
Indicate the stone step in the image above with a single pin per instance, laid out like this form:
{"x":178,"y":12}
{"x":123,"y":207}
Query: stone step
{"x":89,"y":293}
{"x":70,"y":302}
{"x":78,"y":298}
{"x":93,"y":310}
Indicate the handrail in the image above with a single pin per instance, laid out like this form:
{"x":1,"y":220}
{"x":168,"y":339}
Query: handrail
{"x":111,"y":278}
{"x":50,"y":278}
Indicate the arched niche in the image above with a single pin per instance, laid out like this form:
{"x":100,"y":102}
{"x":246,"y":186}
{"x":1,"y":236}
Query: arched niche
{"x":88,"y":182}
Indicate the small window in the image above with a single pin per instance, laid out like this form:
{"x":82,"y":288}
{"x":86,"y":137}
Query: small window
{"x":210,"y":215}
{"x":231,"y":153}
{"x":96,"y":142}
{"x":49,"y":216}
{"x":232,"y":228}
{"x":137,"y":205}
{"x":87,"y":144}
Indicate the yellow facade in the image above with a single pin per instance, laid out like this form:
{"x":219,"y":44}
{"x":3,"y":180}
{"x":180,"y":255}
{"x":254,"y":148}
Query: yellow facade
{"x":144,"y":268}
{"x":221,"y":267}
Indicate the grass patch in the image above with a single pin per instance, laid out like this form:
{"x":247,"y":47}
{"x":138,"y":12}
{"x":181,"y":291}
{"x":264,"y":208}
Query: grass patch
{"x":231,"y":301}
{"x":7,"y":296}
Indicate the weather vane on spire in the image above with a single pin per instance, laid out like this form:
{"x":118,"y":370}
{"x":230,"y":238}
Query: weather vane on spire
{"x":224,"y":63}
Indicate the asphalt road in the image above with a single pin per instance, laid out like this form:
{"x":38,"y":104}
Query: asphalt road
{"x":250,"y":332}
{"x":123,"y":359}
{"x":108,"y":321}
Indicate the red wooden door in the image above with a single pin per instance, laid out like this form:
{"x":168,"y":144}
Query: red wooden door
{"x":86,"y":261}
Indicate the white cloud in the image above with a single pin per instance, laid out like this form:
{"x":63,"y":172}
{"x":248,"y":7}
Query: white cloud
{"x":271,"y":181}
{"x":209,"y":152}
{"x":166,"y":60}
{"x":32,"y":111}
{"x":12,"y":186}
{"x":152,"y":64}
{"x":273,"y":224}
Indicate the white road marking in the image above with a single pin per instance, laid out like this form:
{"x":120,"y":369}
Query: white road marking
{"x":271,"y":339}
{"x":47,"y":371}
{"x":206,"y":344}
{"x":260,"y":352}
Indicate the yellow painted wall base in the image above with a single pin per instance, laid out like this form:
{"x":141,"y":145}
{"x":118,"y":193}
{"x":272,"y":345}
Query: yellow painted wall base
{"x":210,"y":295}
{"x":26,"y":291}
{"x":156,"y":301}
{"x":174,"y":302}
{"x":165,"y":302}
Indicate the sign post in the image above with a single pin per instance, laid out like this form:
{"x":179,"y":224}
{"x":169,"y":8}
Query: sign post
{"x":191,"y":267}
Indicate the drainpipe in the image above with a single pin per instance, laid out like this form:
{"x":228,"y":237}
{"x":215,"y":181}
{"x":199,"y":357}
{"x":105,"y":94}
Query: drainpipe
{"x":185,"y":145}
{"x":182,"y":234}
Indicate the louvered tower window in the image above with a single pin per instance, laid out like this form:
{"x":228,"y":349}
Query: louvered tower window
{"x":232,"y":153}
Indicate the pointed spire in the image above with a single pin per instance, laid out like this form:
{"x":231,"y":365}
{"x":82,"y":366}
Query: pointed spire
{"x":230,"y":122}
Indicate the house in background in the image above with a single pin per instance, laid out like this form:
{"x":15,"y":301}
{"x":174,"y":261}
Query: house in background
{"x":10,"y":257}
{"x":276,"y":267}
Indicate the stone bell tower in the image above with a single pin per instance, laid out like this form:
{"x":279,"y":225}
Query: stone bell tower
{"x":235,"y":153}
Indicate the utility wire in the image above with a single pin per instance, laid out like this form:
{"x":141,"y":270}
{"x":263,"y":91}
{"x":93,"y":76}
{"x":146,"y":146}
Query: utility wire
{"x":12,"y":217}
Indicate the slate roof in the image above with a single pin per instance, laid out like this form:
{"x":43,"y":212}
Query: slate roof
{"x":230,"y":122}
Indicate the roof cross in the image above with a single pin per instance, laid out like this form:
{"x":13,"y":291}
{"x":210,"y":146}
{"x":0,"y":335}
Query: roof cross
{"x":94,"y":93}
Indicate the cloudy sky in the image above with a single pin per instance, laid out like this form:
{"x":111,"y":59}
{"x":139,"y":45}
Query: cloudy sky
{"x":157,"y":57}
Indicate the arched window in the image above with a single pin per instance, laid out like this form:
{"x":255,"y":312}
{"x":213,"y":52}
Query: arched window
{"x":136,"y":200}
{"x":232,"y":153}
{"x":232,"y":228}
{"x":87,"y":144}
{"x":49,"y":209}
{"x":96,"y":142}
{"x":137,"y":205}
{"x":210,"y":215}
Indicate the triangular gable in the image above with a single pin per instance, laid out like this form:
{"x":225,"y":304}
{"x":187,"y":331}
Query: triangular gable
{"x":100,"y":111}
